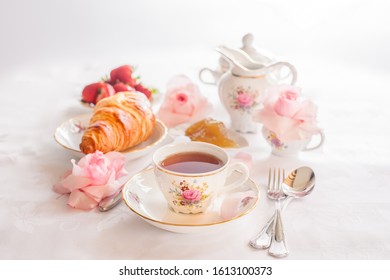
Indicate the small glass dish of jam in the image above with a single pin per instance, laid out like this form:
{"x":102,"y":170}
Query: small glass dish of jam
{"x":212,"y":131}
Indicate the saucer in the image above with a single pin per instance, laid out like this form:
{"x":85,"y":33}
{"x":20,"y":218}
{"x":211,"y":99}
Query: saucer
{"x":69,"y":135}
{"x":143,"y":196}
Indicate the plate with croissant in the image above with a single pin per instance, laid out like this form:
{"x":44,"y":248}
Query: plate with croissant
{"x":123,"y":122}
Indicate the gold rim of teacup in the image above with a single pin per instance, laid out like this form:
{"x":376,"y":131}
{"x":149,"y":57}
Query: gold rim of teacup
{"x":188,"y":225}
{"x":194,"y":175}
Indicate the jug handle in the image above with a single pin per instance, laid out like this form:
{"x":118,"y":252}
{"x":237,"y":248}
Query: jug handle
{"x":212,"y":73}
{"x":289,"y":66}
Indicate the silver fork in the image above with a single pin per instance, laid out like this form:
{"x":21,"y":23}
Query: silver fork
{"x":278,"y":247}
{"x":263,"y":239}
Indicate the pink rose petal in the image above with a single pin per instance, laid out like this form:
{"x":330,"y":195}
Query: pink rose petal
{"x":101,"y":191}
{"x":78,"y":199}
{"x":59,"y":188}
{"x":79,"y":170}
{"x":73,"y":182}
{"x":117,"y":163}
{"x":287,"y":105}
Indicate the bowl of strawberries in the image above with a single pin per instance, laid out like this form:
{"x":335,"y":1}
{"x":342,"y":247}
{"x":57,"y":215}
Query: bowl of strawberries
{"x":120,"y":79}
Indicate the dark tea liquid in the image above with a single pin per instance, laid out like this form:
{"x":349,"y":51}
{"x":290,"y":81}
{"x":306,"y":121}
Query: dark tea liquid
{"x":191,"y":162}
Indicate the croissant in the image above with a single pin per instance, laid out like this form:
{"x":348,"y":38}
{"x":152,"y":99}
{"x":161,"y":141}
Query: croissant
{"x":119,"y":122}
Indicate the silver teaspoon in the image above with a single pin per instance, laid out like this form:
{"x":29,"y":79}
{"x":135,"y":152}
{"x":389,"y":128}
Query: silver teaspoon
{"x":302,"y":186}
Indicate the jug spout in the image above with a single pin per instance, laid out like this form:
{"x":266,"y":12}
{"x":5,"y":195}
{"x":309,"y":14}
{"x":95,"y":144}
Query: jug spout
{"x":245,"y":66}
{"x":240,"y":59}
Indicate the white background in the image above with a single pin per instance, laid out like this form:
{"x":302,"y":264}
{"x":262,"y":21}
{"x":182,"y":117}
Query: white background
{"x":354,"y":32}
{"x":50,"y":49}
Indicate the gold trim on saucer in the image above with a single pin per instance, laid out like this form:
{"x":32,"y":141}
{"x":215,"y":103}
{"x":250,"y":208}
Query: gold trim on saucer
{"x":187,"y":225}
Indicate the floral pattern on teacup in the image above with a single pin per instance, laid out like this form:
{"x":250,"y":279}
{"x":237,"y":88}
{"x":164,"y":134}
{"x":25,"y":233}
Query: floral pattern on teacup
{"x":189,"y":194}
{"x":276,"y":142}
{"x":243,"y":99}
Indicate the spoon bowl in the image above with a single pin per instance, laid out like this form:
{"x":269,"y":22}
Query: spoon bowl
{"x":299,"y":182}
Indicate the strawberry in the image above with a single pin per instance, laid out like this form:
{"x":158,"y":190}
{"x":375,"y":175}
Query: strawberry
{"x":144,"y":90}
{"x":94,"y":92}
{"x":122,"y":74}
{"x":122,"y":87}
{"x":106,"y":91}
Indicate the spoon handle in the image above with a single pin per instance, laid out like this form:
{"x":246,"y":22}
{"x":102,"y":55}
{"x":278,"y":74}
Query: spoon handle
{"x":110,"y":202}
{"x":278,"y":246}
{"x":263,"y":239}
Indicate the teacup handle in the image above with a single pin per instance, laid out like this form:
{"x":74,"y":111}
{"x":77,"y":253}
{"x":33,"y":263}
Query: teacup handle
{"x":322,"y":138}
{"x":214,"y":74}
{"x":243,"y":169}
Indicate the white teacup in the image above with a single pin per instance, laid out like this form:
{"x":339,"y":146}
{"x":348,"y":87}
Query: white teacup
{"x":290,"y":148}
{"x":188,"y":186}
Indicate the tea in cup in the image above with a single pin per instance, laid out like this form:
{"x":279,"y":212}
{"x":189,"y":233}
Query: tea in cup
{"x":290,"y":148}
{"x":192,"y":174}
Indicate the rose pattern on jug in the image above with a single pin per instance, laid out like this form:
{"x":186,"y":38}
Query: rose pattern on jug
{"x":275,"y":141}
{"x":243,"y":99}
{"x":187,"y":194}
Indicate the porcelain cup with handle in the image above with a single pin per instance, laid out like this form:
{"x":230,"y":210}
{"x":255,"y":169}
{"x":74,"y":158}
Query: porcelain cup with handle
{"x":192,"y":193}
{"x":293,"y":147}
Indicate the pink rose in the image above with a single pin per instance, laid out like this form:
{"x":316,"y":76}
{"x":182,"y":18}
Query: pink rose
{"x":191,"y":195}
{"x":287,"y":114}
{"x":92,"y":179}
{"x":183,"y":103}
{"x":245,"y":99}
{"x":288,"y":104}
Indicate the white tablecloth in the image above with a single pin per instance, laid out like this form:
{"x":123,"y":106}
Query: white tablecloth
{"x":346,"y":217}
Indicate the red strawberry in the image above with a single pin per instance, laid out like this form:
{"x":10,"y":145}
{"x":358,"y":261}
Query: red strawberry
{"x":94,"y":92}
{"x":122,"y":87}
{"x":144,"y":90}
{"x":106,"y":91}
{"x":122,"y":74}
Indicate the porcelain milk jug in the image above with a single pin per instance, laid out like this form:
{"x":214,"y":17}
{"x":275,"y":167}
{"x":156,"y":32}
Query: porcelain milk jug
{"x":241,"y":87}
